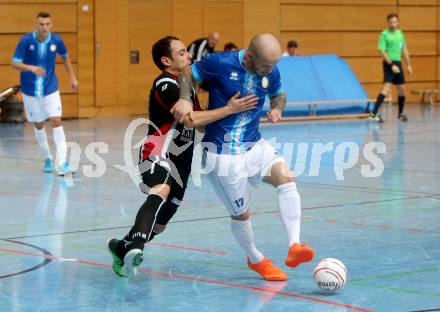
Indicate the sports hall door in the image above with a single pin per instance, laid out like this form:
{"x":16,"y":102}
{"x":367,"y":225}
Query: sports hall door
{"x":149,"y":21}
{"x":124,"y":70}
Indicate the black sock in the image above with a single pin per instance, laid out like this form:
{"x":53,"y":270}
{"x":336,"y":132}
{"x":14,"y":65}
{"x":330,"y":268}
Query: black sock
{"x":379,"y":102}
{"x":127,"y":236}
{"x":122,"y":248}
{"x":124,"y":245}
{"x":145,"y":219}
{"x":401,"y":104}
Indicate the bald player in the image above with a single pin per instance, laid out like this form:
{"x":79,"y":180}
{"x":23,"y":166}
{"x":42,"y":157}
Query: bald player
{"x":237,"y":153}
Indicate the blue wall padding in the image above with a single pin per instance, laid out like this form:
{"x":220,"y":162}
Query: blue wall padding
{"x":320,"y":78}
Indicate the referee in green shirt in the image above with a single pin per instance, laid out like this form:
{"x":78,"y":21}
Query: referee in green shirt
{"x":391,"y":47}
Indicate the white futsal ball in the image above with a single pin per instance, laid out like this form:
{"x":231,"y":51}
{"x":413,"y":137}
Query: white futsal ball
{"x":330,"y":274}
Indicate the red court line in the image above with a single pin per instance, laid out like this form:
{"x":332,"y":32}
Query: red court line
{"x":413,"y":230}
{"x":383,"y":226}
{"x":380,"y":226}
{"x":358,"y":223}
{"x":187,"y":248}
{"x":8,"y":193}
{"x":202,"y":280}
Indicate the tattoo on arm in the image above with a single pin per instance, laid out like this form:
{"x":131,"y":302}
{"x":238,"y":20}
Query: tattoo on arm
{"x":185,"y":85}
{"x":278,"y":101}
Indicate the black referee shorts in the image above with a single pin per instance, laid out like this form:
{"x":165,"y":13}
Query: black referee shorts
{"x":156,"y":174}
{"x":389,"y":76}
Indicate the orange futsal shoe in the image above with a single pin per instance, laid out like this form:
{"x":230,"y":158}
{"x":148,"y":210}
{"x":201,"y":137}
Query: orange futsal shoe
{"x":299,"y":253}
{"x":268,"y":270}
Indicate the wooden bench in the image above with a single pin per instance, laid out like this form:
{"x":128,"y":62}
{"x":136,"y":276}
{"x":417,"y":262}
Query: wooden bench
{"x":426,"y":94}
{"x":10,"y":101}
{"x":3,"y":95}
{"x":313,"y":109}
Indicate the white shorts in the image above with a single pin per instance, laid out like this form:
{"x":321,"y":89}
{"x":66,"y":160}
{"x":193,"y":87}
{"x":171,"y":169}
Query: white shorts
{"x":232,"y":174}
{"x":39,"y":108}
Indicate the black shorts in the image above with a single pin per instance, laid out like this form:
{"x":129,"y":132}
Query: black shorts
{"x":155,"y":174}
{"x":389,"y":76}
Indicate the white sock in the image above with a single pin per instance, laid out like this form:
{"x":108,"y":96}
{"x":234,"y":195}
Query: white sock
{"x":60,"y":142}
{"x":41,"y":137}
{"x":289,"y":203}
{"x":244,"y":235}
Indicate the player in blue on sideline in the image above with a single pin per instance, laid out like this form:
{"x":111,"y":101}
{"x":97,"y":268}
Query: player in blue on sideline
{"x":35,"y":57}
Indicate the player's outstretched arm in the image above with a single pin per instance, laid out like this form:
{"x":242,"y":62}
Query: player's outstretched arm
{"x":277,"y":105}
{"x":235,"y":105}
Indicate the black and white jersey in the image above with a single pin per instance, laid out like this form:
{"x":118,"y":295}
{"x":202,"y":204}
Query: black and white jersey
{"x":200,"y":48}
{"x":168,"y":139}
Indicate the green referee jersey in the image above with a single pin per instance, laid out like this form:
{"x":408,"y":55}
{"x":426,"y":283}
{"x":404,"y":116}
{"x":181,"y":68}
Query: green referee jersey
{"x":392,"y":42}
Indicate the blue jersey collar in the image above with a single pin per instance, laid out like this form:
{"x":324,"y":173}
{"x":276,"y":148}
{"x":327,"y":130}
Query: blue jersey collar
{"x":34,"y":34}
{"x":240,"y":58}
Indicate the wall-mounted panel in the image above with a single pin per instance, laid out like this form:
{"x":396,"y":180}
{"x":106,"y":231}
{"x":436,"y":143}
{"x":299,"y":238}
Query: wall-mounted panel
{"x":339,"y":2}
{"x":150,"y":21}
{"x":187,"y":23}
{"x":418,"y":17}
{"x":21,"y":18}
{"x":70,"y":105}
{"x":64,"y":79}
{"x":311,"y":43}
{"x":336,"y":18}
{"x":38,"y":1}
{"x":86,"y":54}
{"x":226,"y":18}
{"x":418,"y":2}
{"x":260,"y":16}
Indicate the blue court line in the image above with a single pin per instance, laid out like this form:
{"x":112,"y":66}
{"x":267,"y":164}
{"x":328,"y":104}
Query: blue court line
{"x":396,"y":274}
{"x":362,"y":188}
{"x":203,"y":219}
{"x":403,"y":290}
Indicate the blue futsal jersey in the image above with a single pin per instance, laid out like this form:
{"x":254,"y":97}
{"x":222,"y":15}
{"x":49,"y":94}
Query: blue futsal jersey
{"x":225,"y":74}
{"x":30,"y":51}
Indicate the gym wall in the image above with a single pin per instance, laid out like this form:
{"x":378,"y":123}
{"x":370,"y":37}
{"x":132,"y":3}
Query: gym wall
{"x":101,"y":34}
